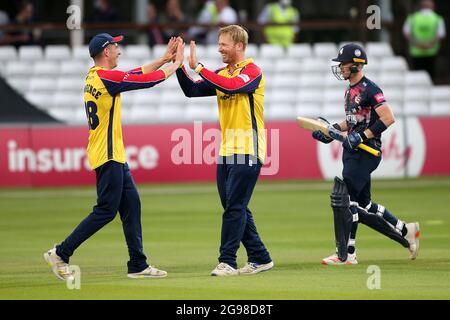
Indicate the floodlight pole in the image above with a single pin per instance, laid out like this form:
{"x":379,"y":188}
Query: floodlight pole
{"x":387,"y":16}
{"x":140,"y":16}
{"x":77,"y":35}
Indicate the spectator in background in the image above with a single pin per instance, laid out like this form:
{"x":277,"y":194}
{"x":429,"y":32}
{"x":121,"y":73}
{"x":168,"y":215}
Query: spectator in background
{"x":155,"y":36}
{"x":424,"y":30}
{"x":173,"y":14}
{"x":281,"y":12}
{"x":216,"y":12}
{"x":24,"y":16}
{"x":104,"y":12}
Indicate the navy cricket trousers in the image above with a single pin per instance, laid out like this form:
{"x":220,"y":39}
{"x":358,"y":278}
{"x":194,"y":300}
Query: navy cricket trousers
{"x":236,"y":179}
{"x":116,"y":191}
{"x":358,"y":166}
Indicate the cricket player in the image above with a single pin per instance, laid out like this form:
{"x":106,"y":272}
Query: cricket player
{"x":239,"y":88}
{"x":116,"y":190}
{"x":367,"y":116}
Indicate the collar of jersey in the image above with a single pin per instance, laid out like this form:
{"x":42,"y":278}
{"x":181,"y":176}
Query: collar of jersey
{"x":243,"y":63}
{"x":363,"y":78}
{"x":98,"y":68}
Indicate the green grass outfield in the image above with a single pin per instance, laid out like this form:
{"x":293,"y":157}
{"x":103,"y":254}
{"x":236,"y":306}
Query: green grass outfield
{"x":181,"y":228}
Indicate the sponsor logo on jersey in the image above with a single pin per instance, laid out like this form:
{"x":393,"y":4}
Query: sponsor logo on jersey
{"x":244,"y":77}
{"x":379,"y":97}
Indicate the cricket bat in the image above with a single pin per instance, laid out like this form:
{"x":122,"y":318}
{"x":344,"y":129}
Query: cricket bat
{"x":314,"y":125}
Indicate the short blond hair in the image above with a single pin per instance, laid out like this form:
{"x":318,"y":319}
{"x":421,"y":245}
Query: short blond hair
{"x":237,"y":33}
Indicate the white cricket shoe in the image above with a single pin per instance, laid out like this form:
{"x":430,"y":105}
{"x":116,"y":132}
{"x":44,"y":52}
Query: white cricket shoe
{"x":59,"y":267}
{"x":149,"y":272}
{"x":412,"y":236}
{"x":334,"y":260}
{"x":254,"y":268}
{"x":223,"y":269}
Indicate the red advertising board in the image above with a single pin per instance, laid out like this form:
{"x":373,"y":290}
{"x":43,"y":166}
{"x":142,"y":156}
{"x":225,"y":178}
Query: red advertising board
{"x":56,"y":156}
{"x":437,"y":159}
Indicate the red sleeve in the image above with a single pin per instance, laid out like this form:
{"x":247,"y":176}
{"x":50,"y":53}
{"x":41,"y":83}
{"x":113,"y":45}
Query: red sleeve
{"x":137,"y":70}
{"x":247,"y":81}
{"x":118,"y":81}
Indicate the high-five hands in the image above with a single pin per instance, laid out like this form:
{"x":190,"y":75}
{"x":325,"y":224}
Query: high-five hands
{"x":171,"y":50}
{"x":193,"y":55}
{"x":175,"y":53}
{"x":179,"y":55}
